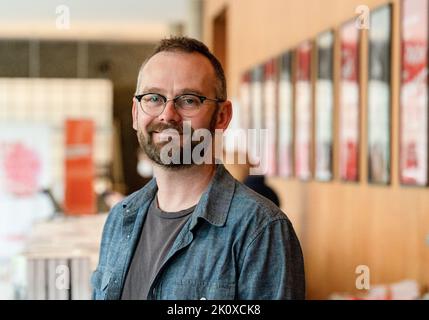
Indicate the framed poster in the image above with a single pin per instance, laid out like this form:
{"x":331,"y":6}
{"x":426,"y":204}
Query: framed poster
{"x":256,"y":98}
{"x":379,"y":96}
{"x":303,"y":112}
{"x":349,"y":116}
{"x":324,"y":106}
{"x":245,"y":99}
{"x":414,"y":94}
{"x":256,"y":147}
{"x":285,"y":99}
{"x":270,"y":106}
{"x":25,"y":170}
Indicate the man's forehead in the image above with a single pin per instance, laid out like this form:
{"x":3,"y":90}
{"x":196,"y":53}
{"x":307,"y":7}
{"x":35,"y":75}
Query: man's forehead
{"x":188,"y":68}
{"x":180,"y":55}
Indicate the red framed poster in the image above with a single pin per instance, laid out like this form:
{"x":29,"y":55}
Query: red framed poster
{"x":270,"y":106}
{"x":414,"y":94}
{"x":79,"y":167}
{"x":324,"y":106}
{"x":349,"y":116}
{"x":303,"y":112}
{"x":285,"y":100}
{"x":379,"y":74}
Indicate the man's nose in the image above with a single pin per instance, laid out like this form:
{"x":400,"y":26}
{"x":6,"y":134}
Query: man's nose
{"x":170,"y":113}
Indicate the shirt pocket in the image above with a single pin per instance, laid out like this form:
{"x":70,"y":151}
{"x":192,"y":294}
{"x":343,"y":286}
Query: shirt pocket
{"x":100,"y":281}
{"x":198,"y":290}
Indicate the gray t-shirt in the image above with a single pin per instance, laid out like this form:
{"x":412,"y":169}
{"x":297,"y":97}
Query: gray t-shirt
{"x":158,"y":234}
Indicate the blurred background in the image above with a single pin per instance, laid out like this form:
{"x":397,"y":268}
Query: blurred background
{"x":341,"y":85}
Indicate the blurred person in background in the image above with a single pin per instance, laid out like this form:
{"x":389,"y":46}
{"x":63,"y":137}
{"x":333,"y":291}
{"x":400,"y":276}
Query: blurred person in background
{"x":193,"y":232}
{"x":257,"y":183}
{"x":240,"y":171}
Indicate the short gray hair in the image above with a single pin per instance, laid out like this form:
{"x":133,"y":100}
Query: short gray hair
{"x":189,"y":45}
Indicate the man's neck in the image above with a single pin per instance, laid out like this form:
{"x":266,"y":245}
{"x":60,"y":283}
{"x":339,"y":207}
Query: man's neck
{"x":182,"y":189}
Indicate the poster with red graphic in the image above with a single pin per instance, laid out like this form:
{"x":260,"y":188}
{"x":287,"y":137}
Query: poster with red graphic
{"x":324,"y":106}
{"x":414,"y":93}
{"x":79,"y":167}
{"x":349,"y":116}
{"x":24,"y":152}
{"x":270,"y":106}
{"x":25,"y":171}
{"x":379,"y":75}
{"x":303,"y":112}
{"x":285,"y":100}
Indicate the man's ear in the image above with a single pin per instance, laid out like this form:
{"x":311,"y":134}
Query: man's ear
{"x":135,"y":115}
{"x":224,"y":115}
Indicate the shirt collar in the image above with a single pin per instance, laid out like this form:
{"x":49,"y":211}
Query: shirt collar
{"x":213,"y":205}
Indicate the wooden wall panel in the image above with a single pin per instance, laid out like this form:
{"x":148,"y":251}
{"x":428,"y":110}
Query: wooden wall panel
{"x":341,"y":225}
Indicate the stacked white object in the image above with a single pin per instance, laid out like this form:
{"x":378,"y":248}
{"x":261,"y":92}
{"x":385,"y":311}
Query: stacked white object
{"x":59,"y":259}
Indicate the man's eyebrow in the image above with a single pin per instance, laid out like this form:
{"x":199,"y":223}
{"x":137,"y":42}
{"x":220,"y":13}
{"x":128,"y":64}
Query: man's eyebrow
{"x":193,"y":91}
{"x":180,"y":92}
{"x":152,"y":90}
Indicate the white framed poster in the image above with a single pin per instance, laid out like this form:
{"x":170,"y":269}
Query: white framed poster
{"x":270,"y":106}
{"x":379,"y":96}
{"x":25,"y":171}
{"x":257,"y":147}
{"x":303,"y":112}
{"x":324,"y":106}
{"x":349,"y":115}
{"x":256,"y":120}
{"x":245,"y":100}
{"x":414,"y":94}
{"x":285,"y":98}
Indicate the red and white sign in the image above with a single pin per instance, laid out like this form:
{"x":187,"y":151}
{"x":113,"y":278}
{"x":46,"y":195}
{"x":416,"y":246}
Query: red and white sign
{"x":349,"y":102}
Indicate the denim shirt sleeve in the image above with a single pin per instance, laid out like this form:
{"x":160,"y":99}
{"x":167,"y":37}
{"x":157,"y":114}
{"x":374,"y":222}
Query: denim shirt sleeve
{"x":108,"y":231}
{"x":273,"y":266}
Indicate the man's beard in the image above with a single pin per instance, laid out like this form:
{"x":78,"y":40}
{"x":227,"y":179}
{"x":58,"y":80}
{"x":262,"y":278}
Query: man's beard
{"x":153,"y":150}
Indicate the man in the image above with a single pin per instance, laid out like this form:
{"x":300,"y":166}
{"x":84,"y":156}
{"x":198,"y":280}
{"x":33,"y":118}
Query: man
{"x":193,"y":232}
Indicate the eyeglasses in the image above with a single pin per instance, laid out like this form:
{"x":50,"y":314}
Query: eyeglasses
{"x":186,"y":105}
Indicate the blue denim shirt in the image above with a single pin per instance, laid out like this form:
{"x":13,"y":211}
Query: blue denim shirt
{"x":236,"y":245}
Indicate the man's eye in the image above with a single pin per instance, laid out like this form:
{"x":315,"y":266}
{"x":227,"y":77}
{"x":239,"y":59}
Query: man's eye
{"x":154,"y":99}
{"x":189,"y":101}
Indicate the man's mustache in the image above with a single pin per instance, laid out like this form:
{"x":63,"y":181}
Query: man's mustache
{"x":159,"y":127}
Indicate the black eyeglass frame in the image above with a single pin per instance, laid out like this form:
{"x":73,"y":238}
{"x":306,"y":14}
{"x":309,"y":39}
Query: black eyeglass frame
{"x":139,"y":97}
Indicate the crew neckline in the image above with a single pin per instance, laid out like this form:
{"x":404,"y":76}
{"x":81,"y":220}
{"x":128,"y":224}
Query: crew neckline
{"x":167,"y":214}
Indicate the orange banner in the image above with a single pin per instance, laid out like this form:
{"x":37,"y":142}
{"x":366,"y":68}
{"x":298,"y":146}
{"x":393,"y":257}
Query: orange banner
{"x":79,"y":168}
